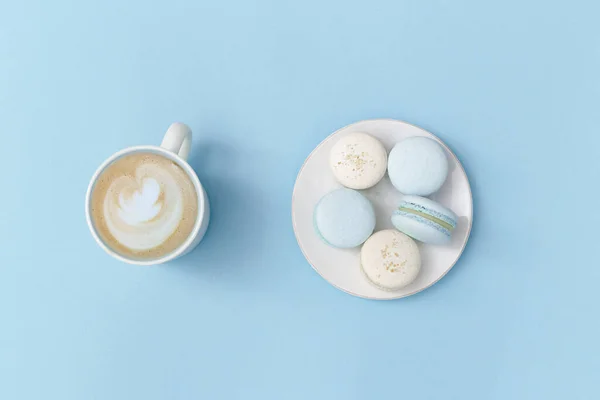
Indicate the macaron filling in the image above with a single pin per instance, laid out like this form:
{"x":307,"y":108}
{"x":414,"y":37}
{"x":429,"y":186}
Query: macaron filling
{"x":431,"y":218}
{"x":427,"y":213}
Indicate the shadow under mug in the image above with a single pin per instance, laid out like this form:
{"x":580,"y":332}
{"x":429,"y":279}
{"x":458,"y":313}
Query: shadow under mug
{"x":176,"y":147}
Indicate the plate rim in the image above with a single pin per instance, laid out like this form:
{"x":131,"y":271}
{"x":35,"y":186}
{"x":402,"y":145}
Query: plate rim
{"x":469,"y":228}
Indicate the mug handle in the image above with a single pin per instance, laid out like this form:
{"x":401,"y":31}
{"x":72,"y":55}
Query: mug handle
{"x":178,"y":139}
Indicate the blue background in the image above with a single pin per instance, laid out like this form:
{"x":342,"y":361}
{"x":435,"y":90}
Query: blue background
{"x":511,"y":86}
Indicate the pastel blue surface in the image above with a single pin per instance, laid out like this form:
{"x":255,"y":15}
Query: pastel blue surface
{"x":344,"y":218}
{"x":417,"y":166}
{"x":512,"y":87}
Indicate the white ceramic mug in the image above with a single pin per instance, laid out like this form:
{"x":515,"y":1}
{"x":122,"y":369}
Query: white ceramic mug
{"x":176,"y":147}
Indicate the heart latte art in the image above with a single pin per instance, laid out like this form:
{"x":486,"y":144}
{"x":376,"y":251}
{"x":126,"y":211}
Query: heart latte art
{"x":144,"y":206}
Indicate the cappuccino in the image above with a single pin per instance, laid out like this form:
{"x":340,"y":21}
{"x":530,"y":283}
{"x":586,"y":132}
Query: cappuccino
{"x":144,"y":206}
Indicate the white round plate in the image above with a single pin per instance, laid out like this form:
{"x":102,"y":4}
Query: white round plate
{"x":341,"y":267}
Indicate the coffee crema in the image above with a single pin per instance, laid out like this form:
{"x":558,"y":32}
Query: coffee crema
{"x":144,"y":206}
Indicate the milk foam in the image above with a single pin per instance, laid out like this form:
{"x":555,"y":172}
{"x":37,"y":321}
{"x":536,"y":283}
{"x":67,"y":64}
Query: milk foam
{"x":143,"y":211}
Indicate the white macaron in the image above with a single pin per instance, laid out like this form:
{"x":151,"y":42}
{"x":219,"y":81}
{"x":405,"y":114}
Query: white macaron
{"x":390,"y":259}
{"x":358,"y":160}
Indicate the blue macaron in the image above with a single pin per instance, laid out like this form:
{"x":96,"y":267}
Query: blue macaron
{"x":417,"y":166}
{"x":344,"y":218}
{"x":424,"y":220}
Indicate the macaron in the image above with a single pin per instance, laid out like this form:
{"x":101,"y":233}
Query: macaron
{"x":358,"y":160}
{"x":390,"y":260}
{"x":418,"y":166}
{"x":344,"y":218}
{"x":424,"y":220}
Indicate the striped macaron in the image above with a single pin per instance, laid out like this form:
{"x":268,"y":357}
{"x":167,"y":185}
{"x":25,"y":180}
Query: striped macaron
{"x":424,"y":220}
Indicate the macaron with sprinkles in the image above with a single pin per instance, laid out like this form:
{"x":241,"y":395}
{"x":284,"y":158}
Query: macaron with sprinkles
{"x":424,"y":220}
{"x":390,"y":260}
{"x":358,"y":160}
